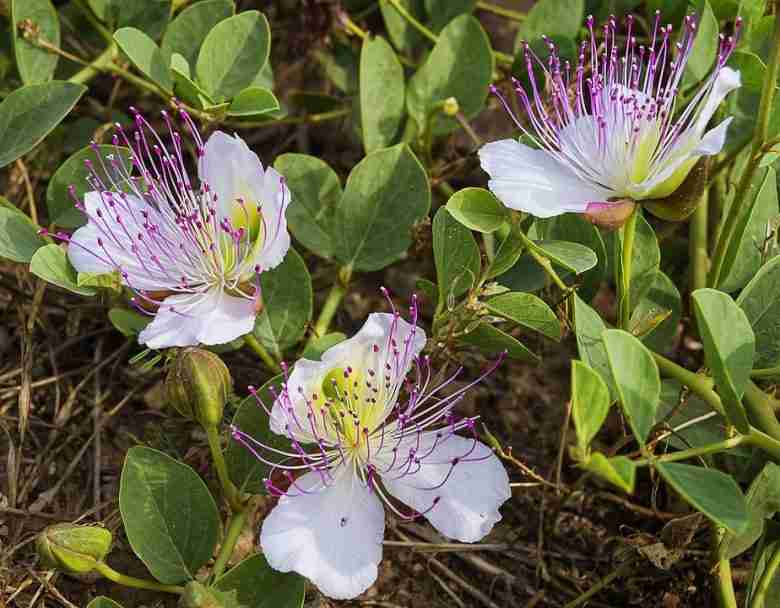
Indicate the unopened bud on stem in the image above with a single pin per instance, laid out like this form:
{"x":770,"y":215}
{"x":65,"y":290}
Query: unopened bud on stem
{"x":73,"y":549}
{"x":198,"y":385}
{"x":610,"y":215}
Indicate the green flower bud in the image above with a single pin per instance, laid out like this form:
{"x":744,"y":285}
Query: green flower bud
{"x":451,"y":106}
{"x":73,"y":549}
{"x":198,"y":385}
{"x":197,"y":595}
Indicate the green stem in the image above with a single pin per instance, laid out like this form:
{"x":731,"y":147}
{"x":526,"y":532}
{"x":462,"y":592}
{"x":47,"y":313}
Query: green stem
{"x":628,"y":232}
{"x":759,"y":597}
{"x":501,"y":11}
{"x":138,"y":583}
{"x":711,"y":448}
{"x":699,"y":384}
{"x":229,"y":490}
{"x":544,"y":262}
{"x":767,"y":372}
{"x":502,"y":58}
{"x":760,"y":135}
{"x":98,"y":66}
{"x":724,"y":584}
{"x":760,"y":410}
{"x":331,"y":304}
{"x":228,"y":544}
{"x":698,"y":244}
{"x":261,"y":352}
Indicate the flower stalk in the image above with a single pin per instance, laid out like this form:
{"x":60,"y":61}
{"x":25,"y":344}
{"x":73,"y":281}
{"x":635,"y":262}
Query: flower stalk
{"x":628,"y":234}
{"x":255,"y":346}
{"x":108,"y":572}
{"x":332,"y":301}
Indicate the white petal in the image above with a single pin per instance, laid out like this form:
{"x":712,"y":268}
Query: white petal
{"x":714,"y":140}
{"x":231,"y":170}
{"x":470,"y":497}
{"x":275,"y":200}
{"x":84,"y":253}
{"x":726,"y":81}
{"x":209,"y":318}
{"x":358,"y":352}
{"x":532,"y":181}
{"x":332,"y":536}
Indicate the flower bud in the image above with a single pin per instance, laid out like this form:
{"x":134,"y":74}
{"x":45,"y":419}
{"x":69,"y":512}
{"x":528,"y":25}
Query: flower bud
{"x":198,"y":385}
{"x":451,"y":106}
{"x":73,"y":549}
{"x":610,"y":215}
{"x":197,"y":595}
{"x":682,"y":202}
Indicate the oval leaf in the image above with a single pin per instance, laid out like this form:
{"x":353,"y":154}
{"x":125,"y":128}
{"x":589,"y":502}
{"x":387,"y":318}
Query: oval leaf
{"x":589,"y":403}
{"x":729,"y":346}
{"x":51,"y":264}
{"x":35,"y":64}
{"x":761,"y":302}
{"x":456,"y":255}
{"x":477,"y":209}
{"x":637,"y":380}
{"x":492,"y":341}
{"x":254,"y":584}
{"x":234,"y":52}
{"x":527,"y":310}
{"x":19,"y":239}
{"x":386,"y":194}
{"x":146,"y":56}
{"x":382,"y":94}
{"x":28,"y":114}
{"x":169,"y":515}
{"x":253,"y":102}
{"x":189,"y":29}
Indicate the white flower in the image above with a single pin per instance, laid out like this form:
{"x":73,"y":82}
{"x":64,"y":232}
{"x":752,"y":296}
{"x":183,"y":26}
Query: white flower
{"x":366,"y":428}
{"x":609,"y":130}
{"x":192,"y":253}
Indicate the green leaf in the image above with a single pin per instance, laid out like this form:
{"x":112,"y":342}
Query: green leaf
{"x":287,"y":304}
{"x":35,"y":64}
{"x":102,"y":601}
{"x":386,"y":194}
{"x":763,"y":500}
{"x":552,"y":18}
{"x":589,"y":403}
{"x":19,"y":239}
{"x":28,"y":114}
{"x":527,"y":310}
{"x":128,"y":322}
{"x":636,"y":378}
{"x":456,"y":255}
{"x":709,"y":491}
{"x":189,"y":29}
{"x":51,"y":264}
{"x":681,"y":408}
{"x":751,"y":69}
{"x":402,"y":33}
{"x":146,"y":56}
{"x":705,"y":47}
{"x":254,"y":584}
{"x":661,"y":301}
{"x":170,"y":517}
{"x":573,"y":257}
{"x":441,"y":12}
{"x":588,"y":328}
{"x":575,"y":228}
{"x":382,"y":94}
{"x":316,"y":190}
{"x":509,"y":251}
{"x":244,"y":468}
{"x":460,"y":66}
{"x":477,"y":209}
{"x":761,"y":302}
{"x":149,"y":16}
{"x":233,"y":54}
{"x":492,"y":341}
{"x":314,"y":350}
{"x":100,"y":280}
{"x":744,"y":256}
{"x":618,"y":470}
{"x":253,"y":102}
{"x":74,"y":172}
{"x":729,"y":346}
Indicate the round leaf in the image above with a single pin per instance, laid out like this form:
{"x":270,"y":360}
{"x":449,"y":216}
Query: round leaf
{"x":386,"y":194}
{"x":19,"y":239}
{"x":189,"y":29}
{"x":51,"y":264}
{"x":456,"y":255}
{"x":146,"y":56}
{"x":170,"y":517}
{"x":253,"y":102}
{"x":381,"y":94}
{"x":233,"y":54}
{"x":254,"y":584}
{"x":477,"y":209}
{"x":761,"y":302}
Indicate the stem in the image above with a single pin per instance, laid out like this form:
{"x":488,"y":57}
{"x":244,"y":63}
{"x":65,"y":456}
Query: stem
{"x":711,"y":448}
{"x":98,"y":66}
{"x":228,"y":544}
{"x":501,"y":11}
{"x":759,"y":597}
{"x":760,"y":134}
{"x":130,"y":581}
{"x":628,"y":232}
{"x":502,"y":58}
{"x":540,"y":259}
{"x":229,"y":490}
{"x":332,"y":302}
{"x":308,"y":119}
{"x":260,"y":351}
{"x":699,"y":384}
{"x":724,"y":584}
{"x":698,"y":243}
{"x":760,"y":410}
{"x":767,"y":372}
